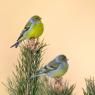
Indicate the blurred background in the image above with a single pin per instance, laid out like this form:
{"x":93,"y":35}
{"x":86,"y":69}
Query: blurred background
{"x":69,"y":29}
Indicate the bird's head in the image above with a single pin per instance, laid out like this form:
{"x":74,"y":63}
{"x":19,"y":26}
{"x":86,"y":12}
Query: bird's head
{"x":35,"y":18}
{"x":62,"y":58}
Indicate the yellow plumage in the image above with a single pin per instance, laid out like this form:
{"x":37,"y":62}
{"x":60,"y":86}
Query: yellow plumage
{"x":33,"y":29}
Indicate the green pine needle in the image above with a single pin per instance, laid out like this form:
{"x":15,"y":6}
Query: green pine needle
{"x":67,"y":90}
{"x":20,"y":83}
{"x":90,"y":87}
{"x":28,"y":63}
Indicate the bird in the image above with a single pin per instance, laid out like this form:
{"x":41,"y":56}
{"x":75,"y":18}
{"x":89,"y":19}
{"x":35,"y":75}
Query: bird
{"x":54,"y":69}
{"x":33,"y":29}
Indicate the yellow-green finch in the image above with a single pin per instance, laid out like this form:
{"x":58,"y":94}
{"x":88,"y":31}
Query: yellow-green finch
{"x":33,"y":29}
{"x":56,"y":68}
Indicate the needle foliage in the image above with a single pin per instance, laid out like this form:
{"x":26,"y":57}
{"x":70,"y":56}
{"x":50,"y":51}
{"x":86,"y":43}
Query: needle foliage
{"x":90,"y":87}
{"x":66,"y":89}
{"x":28,"y":63}
{"x":20,"y":83}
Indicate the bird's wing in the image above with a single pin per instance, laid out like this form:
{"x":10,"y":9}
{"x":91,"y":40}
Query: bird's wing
{"x":49,"y":67}
{"x":26,"y":28}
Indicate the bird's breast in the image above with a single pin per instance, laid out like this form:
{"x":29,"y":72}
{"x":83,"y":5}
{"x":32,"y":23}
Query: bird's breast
{"x":60,"y":71}
{"x":35,"y":31}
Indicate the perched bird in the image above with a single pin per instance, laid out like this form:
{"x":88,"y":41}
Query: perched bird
{"x":56,"y":68}
{"x":33,"y":29}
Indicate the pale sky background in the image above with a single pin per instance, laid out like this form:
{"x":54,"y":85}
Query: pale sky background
{"x":69,"y":29}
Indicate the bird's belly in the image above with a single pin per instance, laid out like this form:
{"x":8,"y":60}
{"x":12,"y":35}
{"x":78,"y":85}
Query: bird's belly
{"x":35,"y":31}
{"x":59,"y":72}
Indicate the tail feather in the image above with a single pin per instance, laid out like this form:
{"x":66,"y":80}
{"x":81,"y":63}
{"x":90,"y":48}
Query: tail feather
{"x":15,"y":45}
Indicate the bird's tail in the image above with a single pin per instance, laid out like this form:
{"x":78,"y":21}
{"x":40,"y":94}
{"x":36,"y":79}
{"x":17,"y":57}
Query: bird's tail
{"x":15,"y":45}
{"x":34,"y":76}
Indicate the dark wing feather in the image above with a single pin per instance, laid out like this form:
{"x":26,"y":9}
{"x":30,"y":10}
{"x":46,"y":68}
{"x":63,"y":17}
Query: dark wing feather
{"x":49,"y":67}
{"x":26,"y":28}
{"x":53,"y":64}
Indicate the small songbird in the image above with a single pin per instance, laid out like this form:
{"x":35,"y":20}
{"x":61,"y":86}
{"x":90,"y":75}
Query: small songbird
{"x":55,"y":69}
{"x":33,"y":29}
